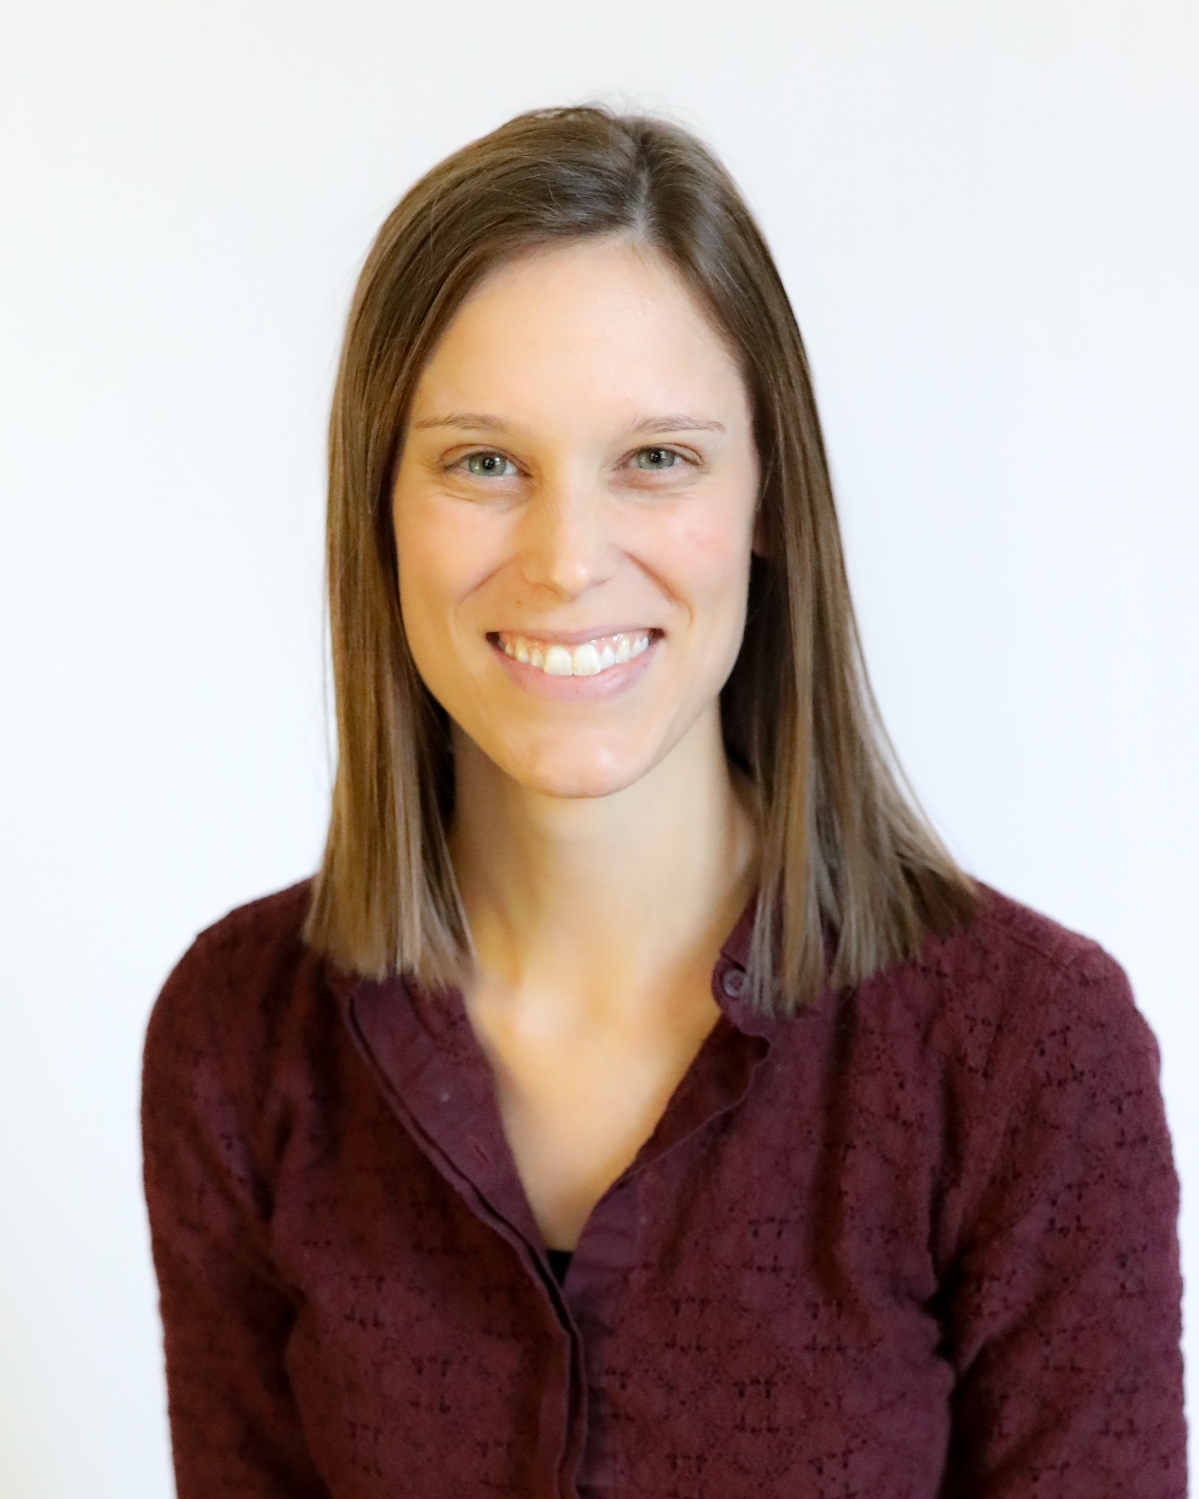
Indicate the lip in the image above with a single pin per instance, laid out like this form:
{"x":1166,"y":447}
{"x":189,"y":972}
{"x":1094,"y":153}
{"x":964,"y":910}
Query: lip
{"x":603,"y":685}
{"x":576,"y":637}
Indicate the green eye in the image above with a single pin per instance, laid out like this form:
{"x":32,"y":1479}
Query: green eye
{"x":656,"y":459}
{"x":486,"y":465}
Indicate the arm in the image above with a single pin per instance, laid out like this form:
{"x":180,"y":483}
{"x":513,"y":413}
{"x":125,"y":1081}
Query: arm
{"x":226,"y":1318}
{"x":1064,"y":1302}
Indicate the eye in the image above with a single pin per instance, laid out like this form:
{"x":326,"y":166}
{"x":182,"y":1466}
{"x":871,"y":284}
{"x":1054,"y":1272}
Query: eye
{"x":656,"y":460}
{"x":488,"y":465}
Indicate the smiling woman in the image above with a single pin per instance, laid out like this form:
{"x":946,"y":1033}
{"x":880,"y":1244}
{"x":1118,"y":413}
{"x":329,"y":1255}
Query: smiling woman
{"x":639,"y":1100}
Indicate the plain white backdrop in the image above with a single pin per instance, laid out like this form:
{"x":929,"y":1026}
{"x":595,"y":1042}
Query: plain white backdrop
{"x":987,"y":218}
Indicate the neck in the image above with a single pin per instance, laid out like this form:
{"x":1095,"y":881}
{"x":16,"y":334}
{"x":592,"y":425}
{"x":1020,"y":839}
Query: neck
{"x":587,"y":908}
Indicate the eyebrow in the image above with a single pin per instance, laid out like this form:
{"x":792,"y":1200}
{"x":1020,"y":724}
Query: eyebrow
{"x":478,"y":421}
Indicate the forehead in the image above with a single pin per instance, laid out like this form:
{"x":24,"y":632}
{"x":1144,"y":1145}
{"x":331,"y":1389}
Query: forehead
{"x":599,"y":321}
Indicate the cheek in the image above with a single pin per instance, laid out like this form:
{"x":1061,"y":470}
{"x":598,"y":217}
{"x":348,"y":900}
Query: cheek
{"x":705,"y":563}
{"x":441,"y":559}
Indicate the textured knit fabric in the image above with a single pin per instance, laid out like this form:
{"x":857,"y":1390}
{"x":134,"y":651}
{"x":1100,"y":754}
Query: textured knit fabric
{"x":918,"y":1243}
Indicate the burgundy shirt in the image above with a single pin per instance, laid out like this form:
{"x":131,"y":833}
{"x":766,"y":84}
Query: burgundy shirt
{"x":919,"y":1243}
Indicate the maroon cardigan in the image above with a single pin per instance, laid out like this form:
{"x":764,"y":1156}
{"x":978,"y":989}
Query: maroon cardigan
{"x":919,"y":1243}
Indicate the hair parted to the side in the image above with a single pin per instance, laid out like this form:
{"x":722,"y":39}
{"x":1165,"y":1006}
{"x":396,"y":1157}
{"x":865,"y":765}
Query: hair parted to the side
{"x":852,"y":876}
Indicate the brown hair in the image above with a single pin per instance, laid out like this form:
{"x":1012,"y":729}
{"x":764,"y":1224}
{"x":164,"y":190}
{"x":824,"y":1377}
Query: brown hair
{"x":852,"y":876}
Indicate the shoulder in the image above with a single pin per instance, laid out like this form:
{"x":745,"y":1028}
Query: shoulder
{"x":1007,"y":941}
{"x":252,"y":940}
{"x":1012,"y":1050}
{"x":1010,"y":999}
{"x":1007,"y":965}
{"x":1019,"y":968}
{"x":245,"y":985}
{"x":1005,"y":926}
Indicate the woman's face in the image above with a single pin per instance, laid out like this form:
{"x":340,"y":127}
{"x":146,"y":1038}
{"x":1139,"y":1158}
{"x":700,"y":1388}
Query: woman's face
{"x":574,"y":514}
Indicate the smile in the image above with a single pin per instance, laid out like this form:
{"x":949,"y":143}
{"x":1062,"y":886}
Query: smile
{"x":587,"y":659}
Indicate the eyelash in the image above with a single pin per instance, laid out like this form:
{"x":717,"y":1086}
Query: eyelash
{"x":460,"y":463}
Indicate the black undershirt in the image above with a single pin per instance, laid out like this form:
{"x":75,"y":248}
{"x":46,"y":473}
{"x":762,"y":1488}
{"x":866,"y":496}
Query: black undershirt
{"x":559,"y":1259}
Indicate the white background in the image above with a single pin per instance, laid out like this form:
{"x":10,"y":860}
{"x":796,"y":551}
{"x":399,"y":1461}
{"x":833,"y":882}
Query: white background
{"x":986,"y":216}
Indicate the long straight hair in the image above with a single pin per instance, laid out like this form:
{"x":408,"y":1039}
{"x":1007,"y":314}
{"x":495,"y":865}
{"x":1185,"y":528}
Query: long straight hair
{"x":852,"y":877}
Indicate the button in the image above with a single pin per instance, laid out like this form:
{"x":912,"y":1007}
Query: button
{"x":733,"y":983}
{"x":444,"y":1095}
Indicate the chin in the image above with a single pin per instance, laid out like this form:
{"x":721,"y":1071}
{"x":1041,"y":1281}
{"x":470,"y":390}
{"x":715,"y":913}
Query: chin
{"x":580,"y":776}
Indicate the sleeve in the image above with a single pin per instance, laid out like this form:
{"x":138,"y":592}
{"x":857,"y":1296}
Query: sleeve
{"x":1064,"y":1317}
{"x":235,"y":1427}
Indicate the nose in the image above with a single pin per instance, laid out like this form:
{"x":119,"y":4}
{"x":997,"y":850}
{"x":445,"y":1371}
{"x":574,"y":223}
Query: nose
{"x":566,"y":545}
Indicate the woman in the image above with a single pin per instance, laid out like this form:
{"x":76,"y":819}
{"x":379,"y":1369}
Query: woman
{"x":639,"y":1100}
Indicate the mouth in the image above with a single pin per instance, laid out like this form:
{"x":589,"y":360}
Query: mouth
{"x":584,"y":658}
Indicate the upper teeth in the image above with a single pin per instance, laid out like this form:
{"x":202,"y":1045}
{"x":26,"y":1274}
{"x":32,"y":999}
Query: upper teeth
{"x":585,"y":660}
